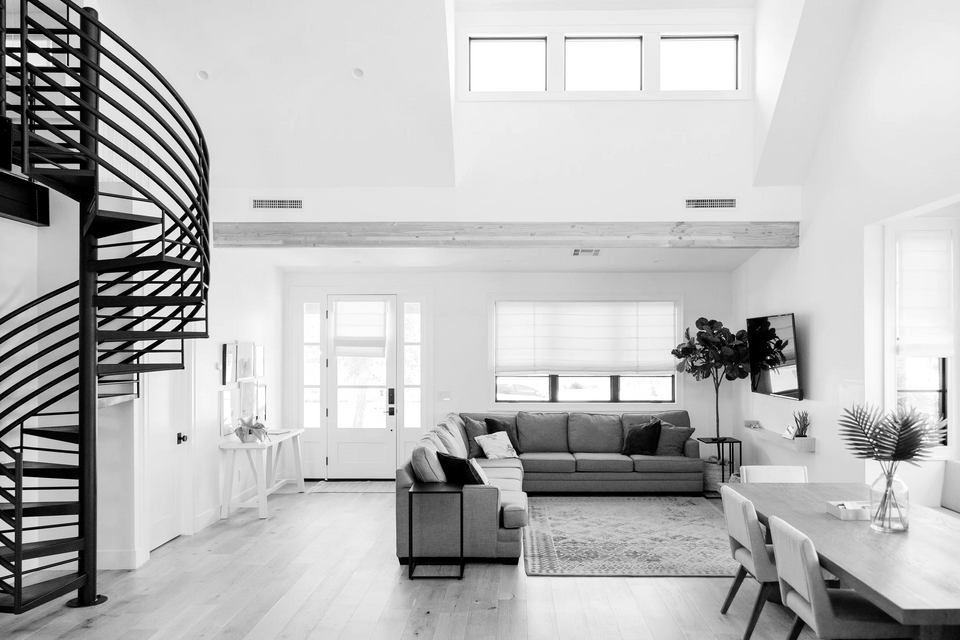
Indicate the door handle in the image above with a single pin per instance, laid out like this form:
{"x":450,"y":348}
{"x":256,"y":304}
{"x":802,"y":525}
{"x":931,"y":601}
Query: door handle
{"x":391,"y":411}
{"x":181,"y":438}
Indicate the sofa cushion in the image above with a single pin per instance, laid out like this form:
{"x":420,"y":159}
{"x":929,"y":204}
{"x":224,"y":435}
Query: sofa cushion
{"x":594,"y":433}
{"x":672,"y":439}
{"x":542,"y":432}
{"x":507,"y":484}
{"x":612,"y":462}
{"x":497,"y":445}
{"x":667,"y":464}
{"x":555,"y":461}
{"x":679,"y":418}
{"x":426,"y":466}
{"x":458,"y":470}
{"x":450,"y":437}
{"x":513,"y":506}
{"x":503,"y":463}
{"x":496,"y":425}
{"x":642,"y":439}
{"x":474,"y":428}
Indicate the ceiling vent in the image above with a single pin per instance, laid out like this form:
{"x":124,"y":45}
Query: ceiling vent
{"x":259,"y":203}
{"x":586,"y":252}
{"x":711,"y":203}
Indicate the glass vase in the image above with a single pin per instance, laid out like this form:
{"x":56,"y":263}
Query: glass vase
{"x":889,"y":502}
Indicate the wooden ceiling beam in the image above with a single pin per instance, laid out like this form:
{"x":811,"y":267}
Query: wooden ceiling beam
{"x":594,"y":235}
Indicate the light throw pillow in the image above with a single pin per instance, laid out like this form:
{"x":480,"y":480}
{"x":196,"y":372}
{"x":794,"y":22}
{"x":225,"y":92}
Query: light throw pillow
{"x":495,"y":424}
{"x":496,"y":446}
{"x":479,"y":470}
{"x":642,"y":439}
{"x":450,"y":440}
{"x":474,"y":428}
{"x":458,"y":470}
{"x":672,"y":439}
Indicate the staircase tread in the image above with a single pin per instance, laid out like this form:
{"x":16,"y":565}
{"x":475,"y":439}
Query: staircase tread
{"x":41,"y":592}
{"x":113,"y":336}
{"x":146,"y":263}
{"x":116,"y":369}
{"x":147,"y":301}
{"x":45,"y":548}
{"x":31,"y":509}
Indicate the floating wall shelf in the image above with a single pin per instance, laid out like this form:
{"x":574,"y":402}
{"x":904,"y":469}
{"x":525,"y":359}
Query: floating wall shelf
{"x":804,"y":445}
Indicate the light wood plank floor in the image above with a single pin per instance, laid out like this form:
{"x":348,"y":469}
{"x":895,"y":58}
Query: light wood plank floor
{"x":323,"y":566}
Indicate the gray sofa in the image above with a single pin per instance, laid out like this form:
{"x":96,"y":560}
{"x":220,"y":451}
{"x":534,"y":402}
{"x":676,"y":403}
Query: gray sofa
{"x":562,"y":452}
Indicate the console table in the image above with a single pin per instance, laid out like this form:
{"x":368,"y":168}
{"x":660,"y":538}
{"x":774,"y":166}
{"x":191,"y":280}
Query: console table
{"x":427,"y":489}
{"x":264,"y":458}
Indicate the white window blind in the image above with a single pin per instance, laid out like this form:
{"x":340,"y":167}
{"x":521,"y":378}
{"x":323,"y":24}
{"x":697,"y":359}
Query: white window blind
{"x":585,"y":337}
{"x":360,"y":328}
{"x":925,"y":293}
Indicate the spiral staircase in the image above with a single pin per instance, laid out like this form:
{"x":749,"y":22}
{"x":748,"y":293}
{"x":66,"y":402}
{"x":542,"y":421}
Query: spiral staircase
{"x":92,"y":119}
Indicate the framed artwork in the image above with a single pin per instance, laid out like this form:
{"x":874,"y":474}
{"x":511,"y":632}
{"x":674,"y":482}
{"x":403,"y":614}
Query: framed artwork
{"x":248,"y":399}
{"x":229,"y":411}
{"x":262,"y":402}
{"x":258,"y":363}
{"x":244,"y":360}
{"x":228,"y":364}
{"x":790,"y":432}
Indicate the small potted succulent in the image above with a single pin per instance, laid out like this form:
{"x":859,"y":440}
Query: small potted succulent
{"x":802,"y":420}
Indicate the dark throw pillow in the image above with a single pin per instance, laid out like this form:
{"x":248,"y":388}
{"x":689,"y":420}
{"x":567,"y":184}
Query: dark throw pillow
{"x":672,"y":439}
{"x":474,"y":428}
{"x":458,"y":470}
{"x":494,"y":425}
{"x":642,"y":439}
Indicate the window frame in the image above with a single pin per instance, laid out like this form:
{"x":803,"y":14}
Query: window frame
{"x":554,"y":387}
{"x":568,"y":37}
{"x":737,"y":68}
{"x":520,"y":38}
{"x":618,"y":405}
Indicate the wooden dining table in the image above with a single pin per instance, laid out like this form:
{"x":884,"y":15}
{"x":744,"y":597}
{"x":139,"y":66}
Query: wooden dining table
{"x":913,"y":576}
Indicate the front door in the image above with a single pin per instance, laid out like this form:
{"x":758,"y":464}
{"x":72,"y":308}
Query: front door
{"x":362,"y":386}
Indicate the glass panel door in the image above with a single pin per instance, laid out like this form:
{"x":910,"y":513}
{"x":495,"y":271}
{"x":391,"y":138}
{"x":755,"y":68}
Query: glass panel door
{"x":362,"y":386}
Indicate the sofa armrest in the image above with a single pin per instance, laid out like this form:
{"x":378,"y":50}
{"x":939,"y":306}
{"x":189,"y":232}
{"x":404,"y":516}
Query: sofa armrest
{"x":437,"y":522}
{"x":691,"y":448}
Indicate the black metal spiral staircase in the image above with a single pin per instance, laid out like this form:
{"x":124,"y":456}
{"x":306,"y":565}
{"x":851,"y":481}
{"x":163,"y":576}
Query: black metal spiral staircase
{"x":92,"y":119}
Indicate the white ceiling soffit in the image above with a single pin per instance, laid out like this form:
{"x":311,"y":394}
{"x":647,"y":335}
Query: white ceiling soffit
{"x":282,"y":106}
{"x":599,"y":5}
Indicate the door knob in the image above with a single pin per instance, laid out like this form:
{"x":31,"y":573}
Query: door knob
{"x":181,"y":438}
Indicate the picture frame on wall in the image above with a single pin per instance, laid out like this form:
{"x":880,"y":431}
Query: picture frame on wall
{"x":228,"y":364}
{"x":229,"y":411}
{"x":248,"y":399}
{"x":258,"y":363}
{"x":245,"y":361}
{"x":262,"y":402}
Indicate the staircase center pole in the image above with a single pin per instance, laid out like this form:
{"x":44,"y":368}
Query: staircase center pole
{"x":87,"y":595}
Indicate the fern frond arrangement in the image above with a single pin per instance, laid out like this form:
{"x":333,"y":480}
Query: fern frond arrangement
{"x":904,"y":435}
{"x":802,"y":420}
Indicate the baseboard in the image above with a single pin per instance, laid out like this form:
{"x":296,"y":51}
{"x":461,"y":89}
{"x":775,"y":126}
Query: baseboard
{"x":207,"y":518}
{"x":115,"y":559}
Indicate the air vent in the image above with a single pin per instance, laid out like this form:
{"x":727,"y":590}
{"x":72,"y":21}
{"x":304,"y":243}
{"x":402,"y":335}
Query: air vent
{"x":586,"y":252}
{"x":277,"y":204}
{"x":712,"y":203}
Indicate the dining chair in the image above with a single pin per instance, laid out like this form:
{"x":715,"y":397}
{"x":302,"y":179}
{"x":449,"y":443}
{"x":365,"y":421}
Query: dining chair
{"x":830,"y":613}
{"x":750,"y":550}
{"x":772,"y":473}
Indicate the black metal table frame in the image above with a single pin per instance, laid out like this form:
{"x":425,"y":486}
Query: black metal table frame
{"x":726,"y":440}
{"x":435,"y":488}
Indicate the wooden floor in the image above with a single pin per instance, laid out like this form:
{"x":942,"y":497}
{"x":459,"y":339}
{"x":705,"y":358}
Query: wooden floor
{"x":323,"y":566}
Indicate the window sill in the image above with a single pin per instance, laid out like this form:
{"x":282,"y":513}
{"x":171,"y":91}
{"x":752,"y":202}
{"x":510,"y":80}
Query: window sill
{"x":599,"y":96}
{"x":586,"y":407}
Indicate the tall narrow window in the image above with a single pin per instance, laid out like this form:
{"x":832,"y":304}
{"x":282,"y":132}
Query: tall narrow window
{"x":508,"y":64}
{"x":412,"y":369}
{"x":313,"y":362}
{"x":603,"y":64}
{"x":699,"y":63}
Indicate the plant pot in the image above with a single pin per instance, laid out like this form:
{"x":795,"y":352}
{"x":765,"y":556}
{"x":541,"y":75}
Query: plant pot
{"x":248,"y":436}
{"x":713,"y":472}
{"x":889,"y":503}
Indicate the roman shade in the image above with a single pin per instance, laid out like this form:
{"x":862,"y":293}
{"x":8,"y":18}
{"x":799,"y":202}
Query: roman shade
{"x":360,"y":328}
{"x":585,"y":337}
{"x":925,"y":293}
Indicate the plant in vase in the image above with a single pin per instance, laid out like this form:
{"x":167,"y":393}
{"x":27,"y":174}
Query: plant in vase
{"x":802,"y":420}
{"x":903,"y":435}
{"x":251,"y":430}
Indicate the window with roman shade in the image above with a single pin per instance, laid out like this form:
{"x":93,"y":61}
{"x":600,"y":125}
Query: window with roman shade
{"x":585,"y":351}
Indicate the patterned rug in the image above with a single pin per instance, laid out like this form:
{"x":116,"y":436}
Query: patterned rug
{"x":355,"y":486}
{"x":626,"y":536}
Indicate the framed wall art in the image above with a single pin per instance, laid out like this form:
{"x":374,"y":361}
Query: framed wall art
{"x":245,"y":360}
{"x":228,"y":364}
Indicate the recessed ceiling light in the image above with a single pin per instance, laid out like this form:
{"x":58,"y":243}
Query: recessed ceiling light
{"x":657,"y":261}
{"x":203,"y":75}
{"x":357,"y":73}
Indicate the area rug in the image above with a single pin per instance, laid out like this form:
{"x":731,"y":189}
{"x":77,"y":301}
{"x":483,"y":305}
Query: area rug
{"x":626,"y":536}
{"x":355,"y":486}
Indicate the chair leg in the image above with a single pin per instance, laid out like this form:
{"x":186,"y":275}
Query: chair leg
{"x":796,"y":629}
{"x":765,"y":589}
{"x":741,"y":574}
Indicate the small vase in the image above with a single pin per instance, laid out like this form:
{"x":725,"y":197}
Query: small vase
{"x":889,"y":502}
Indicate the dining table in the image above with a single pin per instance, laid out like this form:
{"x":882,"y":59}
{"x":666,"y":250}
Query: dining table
{"x":913,"y":576}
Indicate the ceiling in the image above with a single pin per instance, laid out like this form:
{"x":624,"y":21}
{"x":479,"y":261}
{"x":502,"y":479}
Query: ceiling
{"x":495,"y":260}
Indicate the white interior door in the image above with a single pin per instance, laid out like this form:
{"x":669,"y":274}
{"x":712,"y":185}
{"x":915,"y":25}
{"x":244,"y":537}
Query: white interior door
{"x":362,"y":403}
{"x":165,"y":463}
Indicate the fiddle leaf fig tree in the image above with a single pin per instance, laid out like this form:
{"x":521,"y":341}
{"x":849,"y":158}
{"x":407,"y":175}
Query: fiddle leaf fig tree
{"x":716,"y":353}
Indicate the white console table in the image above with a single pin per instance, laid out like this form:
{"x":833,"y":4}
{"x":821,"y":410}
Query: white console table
{"x":264,"y":458}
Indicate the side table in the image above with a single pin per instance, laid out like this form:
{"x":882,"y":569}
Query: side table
{"x":264,"y":458}
{"x":426,"y":489}
{"x":730,"y":442}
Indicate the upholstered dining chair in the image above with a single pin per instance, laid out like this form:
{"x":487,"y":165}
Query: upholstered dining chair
{"x":772,"y":473}
{"x":830,"y":613}
{"x":749,"y":549}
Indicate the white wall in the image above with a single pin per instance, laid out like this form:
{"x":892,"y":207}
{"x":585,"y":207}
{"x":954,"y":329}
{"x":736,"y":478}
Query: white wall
{"x":889,"y":144}
{"x":460,"y":327}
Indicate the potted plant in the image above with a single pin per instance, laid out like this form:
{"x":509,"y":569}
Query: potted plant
{"x":802,"y":420}
{"x":904,"y":435}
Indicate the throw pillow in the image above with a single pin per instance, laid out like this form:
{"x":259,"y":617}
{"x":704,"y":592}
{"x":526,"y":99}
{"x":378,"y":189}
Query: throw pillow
{"x":497,"y":445}
{"x":480,"y":472}
{"x":458,"y":470}
{"x":474,"y":428}
{"x":642,"y":439}
{"x":672,"y":439}
{"x":495,"y":424}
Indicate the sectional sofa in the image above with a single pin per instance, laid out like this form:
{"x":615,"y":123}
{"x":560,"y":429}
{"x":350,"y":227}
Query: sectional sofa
{"x":561,"y":452}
